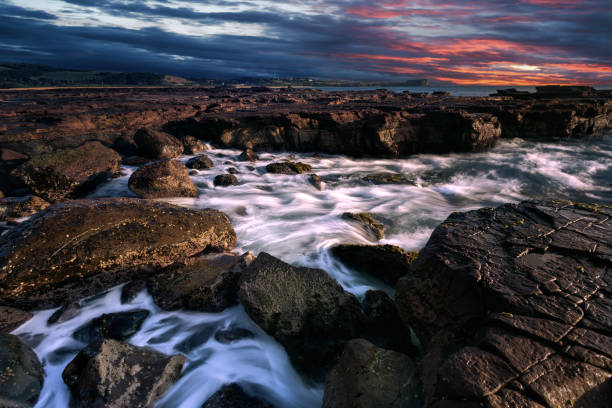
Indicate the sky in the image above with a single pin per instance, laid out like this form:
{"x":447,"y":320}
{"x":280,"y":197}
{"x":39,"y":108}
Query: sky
{"x":463,"y":42}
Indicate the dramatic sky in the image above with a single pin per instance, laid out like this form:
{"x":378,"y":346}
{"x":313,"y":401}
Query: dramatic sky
{"x":509,"y":42}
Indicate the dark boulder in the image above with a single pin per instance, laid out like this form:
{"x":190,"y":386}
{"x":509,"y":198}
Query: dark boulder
{"x":64,"y":313}
{"x":11,"y":318}
{"x":201,"y":162}
{"x":304,"y":309}
{"x":165,"y":178}
{"x":370,"y":377}
{"x":248,"y":155}
{"x":372,"y":228}
{"x":192,"y":145}
{"x":389,"y":178}
{"x":232,"y":334}
{"x":386,"y":262}
{"x":316,"y":181}
{"x":224,"y":180}
{"x":112,"y":374}
{"x":79,"y":248}
{"x":21,"y":374}
{"x":233,"y":396}
{"x":232,"y":170}
{"x":288,"y":167}
{"x":207,"y":284}
{"x":17,"y":207}
{"x":68,"y":173}
{"x":116,"y":326}
{"x":513,"y":304}
{"x":158,"y":145}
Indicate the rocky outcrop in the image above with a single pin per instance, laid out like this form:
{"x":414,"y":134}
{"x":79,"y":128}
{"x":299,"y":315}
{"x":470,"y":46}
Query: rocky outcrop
{"x":116,"y":326}
{"x":370,"y":377}
{"x":68,"y":173}
{"x":21,"y":374}
{"x":304,"y":309}
{"x":513,"y":306}
{"x":225,"y":180}
{"x":11,"y":318}
{"x":373,"y":229}
{"x":160,"y":179}
{"x":288,"y":167}
{"x":207,"y":284}
{"x":201,"y":162}
{"x":17,"y":207}
{"x":113,"y":374}
{"x":157,"y":145}
{"x":233,"y":396}
{"x":386,"y":262}
{"x":76,"y":249}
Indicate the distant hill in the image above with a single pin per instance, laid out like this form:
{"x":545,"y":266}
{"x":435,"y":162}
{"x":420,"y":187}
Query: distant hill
{"x":14,"y":75}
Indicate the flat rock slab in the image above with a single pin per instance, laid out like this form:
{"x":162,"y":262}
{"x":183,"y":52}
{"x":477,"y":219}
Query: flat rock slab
{"x":513,"y":304}
{"x":113,"y":374}
{"x":79,"y":248}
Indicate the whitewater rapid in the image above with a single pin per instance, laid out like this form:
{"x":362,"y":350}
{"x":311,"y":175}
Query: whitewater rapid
{"x":289,"y":218}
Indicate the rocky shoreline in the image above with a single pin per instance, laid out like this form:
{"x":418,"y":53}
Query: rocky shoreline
{"x":511,"y":305}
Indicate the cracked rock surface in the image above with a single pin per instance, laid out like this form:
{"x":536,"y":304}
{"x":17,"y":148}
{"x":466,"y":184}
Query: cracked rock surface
{"x":513,"y":307}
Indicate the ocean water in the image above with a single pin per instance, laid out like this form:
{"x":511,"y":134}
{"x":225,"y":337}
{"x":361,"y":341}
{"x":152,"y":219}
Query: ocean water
{"x":289,"y":218}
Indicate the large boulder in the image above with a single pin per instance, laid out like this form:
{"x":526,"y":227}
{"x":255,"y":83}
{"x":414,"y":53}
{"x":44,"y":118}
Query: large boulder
{"x":158,"y":145}
{"x":305,"y":309}
{"x":386,"y":262}
{"x":370,"y":377}
{"x":79,"y":248}
{"x":164,"y":178}
{"x":207,"y":284}
{"x":112,"y":374}
{"x":21,"y":374}
{"x":513,"y":304}
{"x":225,"y":180}
{"x":17,"y":207}
{"x":68,"y":173}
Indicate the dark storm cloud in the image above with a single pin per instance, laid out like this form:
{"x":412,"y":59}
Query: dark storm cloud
{"x":473,"y":41}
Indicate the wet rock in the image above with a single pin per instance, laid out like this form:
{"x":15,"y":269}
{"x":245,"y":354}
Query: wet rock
{"x":158,"y":145}
{"x":135,"y":161}
{"x":232,"y":334}
{"x":386,"y":262}
{"x":509,"y":296}
{"x":232,"y":170}
{"x":126,"y":146}
{"x":117,"y":326}
{"x":207,"y":284}
{"x":17,"y":207}
{"x":113,"y":374}
{"x":233,"y":396}
{"x":68,"y":173}
{"x":201,"y":162}
{"x":64,"y":313}
{"x":165,"y":178}
{"x":192,"y":145}
{"x":368,"y":376}
{"x":132,"y":289}
{"x":316,"y":181}
{"x":11,"y":318}
{"x":304,"y":309}
{"x":368,"y":223}
{"x":77,"y":249}
{"x":389,"y":178}
{"x":248,"y":155}
{"x":225,"y":180}
{"x":21,"y":374}
{"x":288,"y":167}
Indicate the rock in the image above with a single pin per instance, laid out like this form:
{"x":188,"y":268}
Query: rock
{"x":248,"y":155}
{"x":232,"y":334}
{"x":316,"y":181}
{"x":367,"y":376}
{"x":126,"y":146}
{"x":207,"y":284}
{"x":18,"y":207}
{"x":304,"y":309}
{"x":224,"y":180}
{"x":158,"y":145}
{"x":232,"y":170}
{"x":135,"y":161}
{"x":68,"y":173}
{"x":386,"y":262}
{"x":201,"y":162}
{"x":288,"y":167}
{"x":113,"y":374}
{"x":117,"y":326}
{"x":21,"y":374}
{"x":389,"y":178}
{"x":11,"y":318}
{"x":64,"y":313}
{"x":192,"y":145}
{"x":515,"y":295}
{"x":366,"y":221}
{"x":77,"y":249}
{"x":165,"y":178}
{"x":233,"y":396}
{"x":132,"y":289}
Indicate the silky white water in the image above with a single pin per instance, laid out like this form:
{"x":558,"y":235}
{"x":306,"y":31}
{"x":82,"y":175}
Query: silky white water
{"x":289,"y":218}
